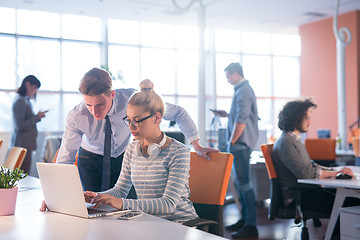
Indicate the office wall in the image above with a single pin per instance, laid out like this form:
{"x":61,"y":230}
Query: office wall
{"x":319,"y":75}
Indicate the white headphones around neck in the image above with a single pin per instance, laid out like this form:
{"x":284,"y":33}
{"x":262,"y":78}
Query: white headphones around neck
{"x":154,"y":149}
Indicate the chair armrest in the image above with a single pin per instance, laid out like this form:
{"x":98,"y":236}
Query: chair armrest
{"x":200,"y":223}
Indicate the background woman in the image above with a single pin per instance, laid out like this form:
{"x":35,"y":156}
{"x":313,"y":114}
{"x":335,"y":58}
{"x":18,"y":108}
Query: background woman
{"x":24,"y":120}
{"x":157,"y":166}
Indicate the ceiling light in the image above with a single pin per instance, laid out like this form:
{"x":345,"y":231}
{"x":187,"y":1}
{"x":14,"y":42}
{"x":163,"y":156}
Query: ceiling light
{"x":315,"y":14}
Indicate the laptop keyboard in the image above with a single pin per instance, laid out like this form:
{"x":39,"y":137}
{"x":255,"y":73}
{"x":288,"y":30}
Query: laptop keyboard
{"x":93,"y":211}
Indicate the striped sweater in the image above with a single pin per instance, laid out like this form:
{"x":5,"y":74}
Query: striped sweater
{"x":161,"y":182}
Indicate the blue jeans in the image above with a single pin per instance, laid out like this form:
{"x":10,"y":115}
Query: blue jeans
{"x":241,"y":169}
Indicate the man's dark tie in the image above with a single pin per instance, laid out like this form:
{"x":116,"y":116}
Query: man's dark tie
{"x":107,"y":154}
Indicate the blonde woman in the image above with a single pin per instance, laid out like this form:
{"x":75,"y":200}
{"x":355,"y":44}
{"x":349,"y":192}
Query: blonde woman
{"x":158,"y":166}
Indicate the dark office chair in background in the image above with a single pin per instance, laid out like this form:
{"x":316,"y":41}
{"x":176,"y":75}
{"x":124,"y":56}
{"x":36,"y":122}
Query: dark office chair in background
{"x":277,"y":207}
{"x":208,"y":184}
{"x":177,"y":135}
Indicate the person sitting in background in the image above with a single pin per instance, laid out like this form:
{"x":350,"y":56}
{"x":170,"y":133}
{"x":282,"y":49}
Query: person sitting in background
{"x":292,"y":161}
{"x":25,"y":131}
{"x":157,"y":166}
{"x":146,"y":85}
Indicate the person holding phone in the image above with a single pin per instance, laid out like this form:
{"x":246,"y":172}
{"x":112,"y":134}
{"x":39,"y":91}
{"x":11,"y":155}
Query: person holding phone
{"x":158,"y":166}
{"x":24,"y":131}
{"x":242,"y":133}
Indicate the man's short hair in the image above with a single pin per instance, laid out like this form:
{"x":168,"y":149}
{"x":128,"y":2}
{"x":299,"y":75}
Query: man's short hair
{"x":293,"y":114}
{"x":234,"y":67}
{"x":96,"y":82}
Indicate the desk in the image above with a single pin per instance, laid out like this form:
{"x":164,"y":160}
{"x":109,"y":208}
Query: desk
{"x":259,"y":177}
{"x":345,"y":157}
{"x":29,"y":223}
{"x":345,"y":153}
{"x":345,"y":188}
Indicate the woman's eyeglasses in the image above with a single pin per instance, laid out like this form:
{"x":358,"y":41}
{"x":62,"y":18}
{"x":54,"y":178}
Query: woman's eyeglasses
{"x":127,"y":121}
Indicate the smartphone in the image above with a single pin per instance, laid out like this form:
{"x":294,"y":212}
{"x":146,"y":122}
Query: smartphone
{"x":128,"y":215}
{"x":213,"y":110}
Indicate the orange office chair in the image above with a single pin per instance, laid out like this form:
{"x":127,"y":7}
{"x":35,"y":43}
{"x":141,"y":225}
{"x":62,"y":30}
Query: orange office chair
{"x":208,"y":185}
{"x":277,"y":207}
{"x":76,"y":157}
{"x":55,"y":157}
{"x":15,"y":158}
{"x":355,"y":143}
{"x":355,"y":132}
{"x":322,"y":150}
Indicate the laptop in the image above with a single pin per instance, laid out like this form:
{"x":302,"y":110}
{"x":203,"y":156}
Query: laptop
{"x":63,"y":191}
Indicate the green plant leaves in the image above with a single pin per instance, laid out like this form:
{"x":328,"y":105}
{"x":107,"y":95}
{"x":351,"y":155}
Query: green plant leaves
{"x":9,"y":178}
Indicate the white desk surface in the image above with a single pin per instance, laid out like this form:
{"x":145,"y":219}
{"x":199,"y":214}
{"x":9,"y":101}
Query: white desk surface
{"x":346,"y":183}
{"x":345,"y":188}
{"x":29,"y":223}
{"x":256,"y":157}
{"x":344,"y":152}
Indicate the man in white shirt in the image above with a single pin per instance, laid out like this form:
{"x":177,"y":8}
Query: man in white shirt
{"x":85,"y":129}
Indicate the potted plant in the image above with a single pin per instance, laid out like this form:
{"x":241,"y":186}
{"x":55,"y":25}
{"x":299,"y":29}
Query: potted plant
{"x":8,"y":189}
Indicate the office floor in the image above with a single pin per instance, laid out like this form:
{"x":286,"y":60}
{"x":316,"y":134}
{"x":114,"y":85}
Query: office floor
{"x":279,"y":229}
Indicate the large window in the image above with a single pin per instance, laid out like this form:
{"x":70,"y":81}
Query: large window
{"x":7,"y":20}
{"x":77,"y":58}
{"x":57,"y":49}
{"x":161,"y":52}
{"x":33,"y":23}
{"x":8,"y":62}
{"x":40,"y":57}
{"x":61,"y":49}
